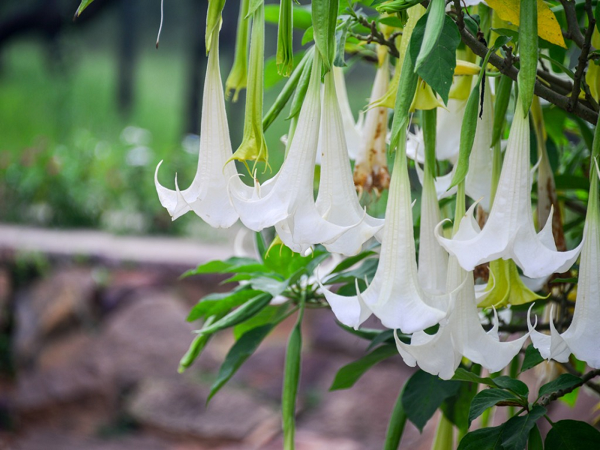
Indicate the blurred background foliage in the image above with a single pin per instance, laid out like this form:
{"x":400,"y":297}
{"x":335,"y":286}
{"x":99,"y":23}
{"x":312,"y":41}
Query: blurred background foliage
{"x":89,"y":107}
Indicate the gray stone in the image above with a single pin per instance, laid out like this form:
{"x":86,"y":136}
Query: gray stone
{"x":50,"y":306}
{"x":178,"y":409}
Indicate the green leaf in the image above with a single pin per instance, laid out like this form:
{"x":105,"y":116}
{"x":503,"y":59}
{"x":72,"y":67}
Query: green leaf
{"x":572,"y":435}
{"x":488,"y":398}
{"x":438,"y":68}
{"x":535,"y":439}
{"x":532,"y":358}
{"x":219,"y":304}
{"x":565,"y":381}
{"x":245,"y":346}
{"x":516,"y":386}
{"x":340,"y":43}
{"x":433,"y":31}
{"x":348,"y":375}
{"x":308,"y":36}
{"x":84,"y":4}
{"x":244,"y":312}
{"x":269,"y":285}
{"x":291,"y":379}
{"x":285,"y":262}
{"x":456,"y":408}
{"x":384,"y":336}
{"x":367,"y":269}
{"x":282,"y":99}
{"x":349,"y":262}
{"x":264,"y":317}
{"x":230,"y":265}
{"x":423,"y":395}
{"x":324,"y":19}
{"x":363,"y":333}
{"x":482,"y":439}
{"x":195,"y":349}
{"x":516,"y":430}
{"x":464,"y":375}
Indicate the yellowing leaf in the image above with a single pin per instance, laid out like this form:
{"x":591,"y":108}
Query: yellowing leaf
{"x":548,"y":27}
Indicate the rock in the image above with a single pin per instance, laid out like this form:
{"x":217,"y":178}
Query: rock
{"x":177,"y":408}
{"x":49,"y":307}
{"x":146,"y":338}
{"x":52,"y":439}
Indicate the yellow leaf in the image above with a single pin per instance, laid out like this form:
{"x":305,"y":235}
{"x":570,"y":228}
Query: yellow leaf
{"x":548,"y":27}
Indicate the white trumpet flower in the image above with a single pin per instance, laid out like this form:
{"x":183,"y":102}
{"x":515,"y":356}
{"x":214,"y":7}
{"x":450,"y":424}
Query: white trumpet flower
{"x":352,"y":129}
{"x":394,"y":295}
{"x":509,"y":231}
{"x":337,"y":201}
{"x":582,"y":338}
{"x":459,"y":335}
{"x":207,"y":195}
{"x":286,"y":201}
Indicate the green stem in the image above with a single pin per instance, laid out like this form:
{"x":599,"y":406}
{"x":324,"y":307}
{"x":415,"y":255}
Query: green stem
{"x":396,"y":425}
{"x":444,"y":436}
{"x":460,"y":208}
{"x":291,"y":378}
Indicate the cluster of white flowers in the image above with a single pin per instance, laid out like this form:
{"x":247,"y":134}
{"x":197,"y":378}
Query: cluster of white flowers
{"x":441,"y":289}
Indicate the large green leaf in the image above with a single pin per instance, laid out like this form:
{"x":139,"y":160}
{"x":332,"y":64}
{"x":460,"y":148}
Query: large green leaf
{"x":483,"y":439}
{"x":350,"y":373}
{"x":516,"y":430}
{"x":438,"y":68}
{"x":488,"y":398}
{"x":565,"y":381}
{"x":324,"y":19}
{"x":456,"y":408}
{"x":516,"y":386}
{"x":219,"y":304}
{"x":245,"y":346}
{"x":572,"y":435}
{"x":423,"y":395}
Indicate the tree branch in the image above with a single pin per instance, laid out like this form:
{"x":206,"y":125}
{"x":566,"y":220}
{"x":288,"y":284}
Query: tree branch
{"x":573,"y":32}
{"x":583,"y":57}
{"x":556,"y":395}
{"x":506,"y":67}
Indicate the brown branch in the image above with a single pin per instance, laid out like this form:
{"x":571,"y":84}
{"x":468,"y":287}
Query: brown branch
{"x":376,"y":35}
{"x":583,"y":57}
{"x":573,"y":32}
{"x":509,"y":70}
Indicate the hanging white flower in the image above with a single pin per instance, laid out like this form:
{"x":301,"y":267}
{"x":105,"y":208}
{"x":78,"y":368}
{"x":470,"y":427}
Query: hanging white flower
{"x":286,"y":201}
{"x":394,"y":295}
{"x":582,"y":338}
{"x":509,"y":231}
{"x":207,"y":195}
{"x":459,"y":335}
